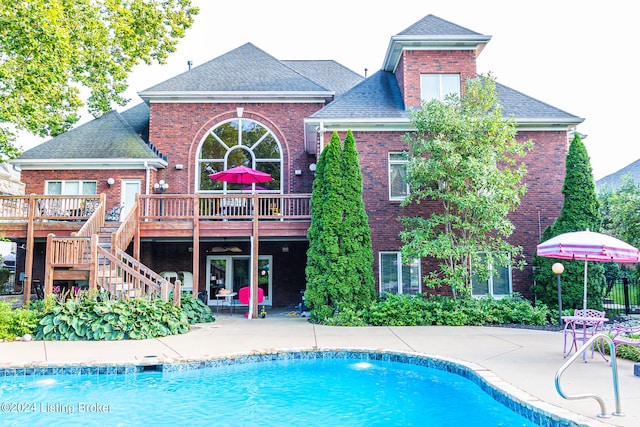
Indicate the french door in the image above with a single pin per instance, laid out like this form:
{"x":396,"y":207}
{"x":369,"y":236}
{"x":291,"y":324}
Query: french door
{"x":233,"y":272}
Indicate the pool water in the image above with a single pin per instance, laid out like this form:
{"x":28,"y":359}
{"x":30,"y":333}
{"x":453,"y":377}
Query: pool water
{"x":296,"y":392}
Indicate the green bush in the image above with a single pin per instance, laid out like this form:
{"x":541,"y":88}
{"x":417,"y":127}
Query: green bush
{"x":95,"y":317}
{"x":195,"y":309}
{"x":406,"y":310}
{"x":16,"y":323}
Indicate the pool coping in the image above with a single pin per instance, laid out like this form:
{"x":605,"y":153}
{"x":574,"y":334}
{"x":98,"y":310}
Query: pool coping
{"x":518,"y":400}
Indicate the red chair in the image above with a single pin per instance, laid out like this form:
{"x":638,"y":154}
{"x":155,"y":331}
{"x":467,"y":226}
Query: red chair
{"x":245,"y":293}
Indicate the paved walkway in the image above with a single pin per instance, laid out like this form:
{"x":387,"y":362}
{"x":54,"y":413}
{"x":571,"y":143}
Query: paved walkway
{"x":525,"y":359}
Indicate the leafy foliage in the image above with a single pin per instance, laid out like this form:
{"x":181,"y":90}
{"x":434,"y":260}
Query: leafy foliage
{"x":581,"y":211}
{"x":425,"y":310}
{"x":49,"y":50}
{"x":195,"y":310}
{"x":339,"y":258}
{"x":95,"y":317}
{"x":464,"y":156}
{"x":16,"y":323}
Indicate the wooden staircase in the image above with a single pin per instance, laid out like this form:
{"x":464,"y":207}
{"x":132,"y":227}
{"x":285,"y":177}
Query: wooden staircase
{"x":96,"y":253}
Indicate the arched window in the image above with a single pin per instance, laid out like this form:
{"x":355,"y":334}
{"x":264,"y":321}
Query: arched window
{"x":235,"y":143}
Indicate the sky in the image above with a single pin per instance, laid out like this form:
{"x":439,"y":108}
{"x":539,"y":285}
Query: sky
{"x":571,"y":54}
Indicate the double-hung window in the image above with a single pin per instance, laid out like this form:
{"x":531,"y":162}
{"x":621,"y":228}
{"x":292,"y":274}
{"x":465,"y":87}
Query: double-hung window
{"x":497,"y":282}
{"x":398,"y":187}
{"x":438,"y":86}
{"x":398,"y":277}
{"x":71,"y":188}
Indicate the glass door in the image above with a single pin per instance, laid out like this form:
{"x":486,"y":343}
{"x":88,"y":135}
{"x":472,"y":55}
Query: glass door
{"x":234,"y":272}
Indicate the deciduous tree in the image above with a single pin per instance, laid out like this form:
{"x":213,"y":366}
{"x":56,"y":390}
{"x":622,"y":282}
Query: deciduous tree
{"x":464,"y":156}
{"x":49,"y":50}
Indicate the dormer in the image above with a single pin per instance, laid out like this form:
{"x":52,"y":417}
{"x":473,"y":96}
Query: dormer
{"x":431,"y":58}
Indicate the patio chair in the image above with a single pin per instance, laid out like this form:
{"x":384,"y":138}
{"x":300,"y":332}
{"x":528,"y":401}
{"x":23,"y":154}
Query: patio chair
{"x":245,"y":293}
{"x":624,"y":335}
{"x":581,"y":330}
{"x":113,"y":214}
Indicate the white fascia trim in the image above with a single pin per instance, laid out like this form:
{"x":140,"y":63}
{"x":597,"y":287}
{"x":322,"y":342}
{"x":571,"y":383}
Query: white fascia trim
{"x":547,"y":124}
{"x":88,"y":164}
{"x":400,"y":43}
{"x":404,"y":125}
{"x":363,"y":125}
{"x":243,"y":97}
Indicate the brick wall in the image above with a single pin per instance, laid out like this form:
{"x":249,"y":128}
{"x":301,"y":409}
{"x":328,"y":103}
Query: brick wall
{"x":414,"y":63}
{"x":178,"y":129}
{"x":538,"y":209}
{"x":35,"y":181}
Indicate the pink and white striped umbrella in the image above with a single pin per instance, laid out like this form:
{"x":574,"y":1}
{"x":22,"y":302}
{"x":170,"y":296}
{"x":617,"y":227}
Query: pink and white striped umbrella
{"x":588,"y":246}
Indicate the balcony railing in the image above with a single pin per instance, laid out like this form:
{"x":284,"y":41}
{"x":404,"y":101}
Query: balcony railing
{"x":163,"y":207}
{"x":289,"y":207}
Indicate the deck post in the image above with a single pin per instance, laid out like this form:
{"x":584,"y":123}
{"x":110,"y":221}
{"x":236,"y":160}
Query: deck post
{"x":28,"y":262}
{"x":255,"y":250}
{"x":196,"y":246}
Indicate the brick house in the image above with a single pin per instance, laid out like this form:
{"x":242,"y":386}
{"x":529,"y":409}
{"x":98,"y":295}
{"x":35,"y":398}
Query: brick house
{"x":247,"y":107}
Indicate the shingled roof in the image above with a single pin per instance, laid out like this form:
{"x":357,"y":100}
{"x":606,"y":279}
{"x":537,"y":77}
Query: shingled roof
{"x":110,"y":137}
{"x":244,"y":70}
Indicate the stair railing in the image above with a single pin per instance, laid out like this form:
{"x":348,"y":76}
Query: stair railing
{"x":122,"y":280}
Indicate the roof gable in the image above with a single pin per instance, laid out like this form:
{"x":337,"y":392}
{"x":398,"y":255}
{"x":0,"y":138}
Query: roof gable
{"x":244,"y":70}
{"x":432,"y":33}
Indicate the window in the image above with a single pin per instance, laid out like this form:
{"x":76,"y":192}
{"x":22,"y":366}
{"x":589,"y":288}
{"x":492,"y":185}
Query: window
{"x":398,"y":187}
{"x":437,"y":86}
{"x":497,"y":283}
{"x":71,"y":188}
{"x":396,"y":277}
{"x":235,"y":143}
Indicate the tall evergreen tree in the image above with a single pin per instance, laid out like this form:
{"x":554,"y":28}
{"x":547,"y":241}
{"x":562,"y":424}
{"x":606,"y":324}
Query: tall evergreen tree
{"x":581,"y":211}
{"x":324,"y":269}
{"x":359,"y":283}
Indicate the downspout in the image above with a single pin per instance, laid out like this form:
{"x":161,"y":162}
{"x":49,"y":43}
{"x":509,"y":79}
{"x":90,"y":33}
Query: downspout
{"x":321,"y":131}
{"x":147,"y":177}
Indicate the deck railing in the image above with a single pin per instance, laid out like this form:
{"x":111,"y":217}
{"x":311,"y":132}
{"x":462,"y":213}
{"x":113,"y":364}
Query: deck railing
{"x":163,"y":207}
{"x":218,"y":207}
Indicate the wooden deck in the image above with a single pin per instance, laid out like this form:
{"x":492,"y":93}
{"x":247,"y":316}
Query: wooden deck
{"x":165,"y":215}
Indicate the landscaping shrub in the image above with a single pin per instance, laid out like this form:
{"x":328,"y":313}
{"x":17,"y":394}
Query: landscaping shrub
{"x":16,"y":323}
{"x":195,"y":309}
{"x":406,"y":310}
{"x":94,"y":317}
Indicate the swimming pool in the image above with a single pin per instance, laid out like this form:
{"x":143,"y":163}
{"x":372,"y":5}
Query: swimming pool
{"x":314,"y":388}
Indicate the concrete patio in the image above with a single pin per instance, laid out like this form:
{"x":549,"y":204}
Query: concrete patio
{"x":525,"y":361}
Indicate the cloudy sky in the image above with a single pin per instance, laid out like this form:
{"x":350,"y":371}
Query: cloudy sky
{"x":573,"y":54}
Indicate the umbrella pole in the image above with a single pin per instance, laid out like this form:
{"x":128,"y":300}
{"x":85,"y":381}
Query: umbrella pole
{"x":584,"y":302}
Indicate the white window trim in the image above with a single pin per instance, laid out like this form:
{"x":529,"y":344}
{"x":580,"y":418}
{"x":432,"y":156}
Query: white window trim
{"x":490,"y":284}
{"x":395,"y":162}
{"x":441,"y":95}
{"x":399,"y":268}
{"x":249,"y":149}
{"x":64,"y":183}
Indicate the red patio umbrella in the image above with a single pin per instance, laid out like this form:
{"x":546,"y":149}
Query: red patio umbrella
{"x":241,"y":175}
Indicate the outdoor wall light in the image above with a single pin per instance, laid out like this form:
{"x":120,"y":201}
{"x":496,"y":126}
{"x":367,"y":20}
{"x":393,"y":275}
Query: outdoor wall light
{"x":160,"y":186}
{"x":312,"y":167}
{"x":285,"y":248}
{"x":111,"y":181}
{"x":179,"y":166}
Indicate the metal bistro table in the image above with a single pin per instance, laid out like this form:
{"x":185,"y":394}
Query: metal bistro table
{"x":226,"y":299}
{"x":581,"y":329}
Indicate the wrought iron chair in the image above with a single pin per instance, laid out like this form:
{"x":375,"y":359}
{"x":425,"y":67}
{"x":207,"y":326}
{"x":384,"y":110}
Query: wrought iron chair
{"x":579,"y":330}
{"x":625,"y":335}
{"x":113,"y":214}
